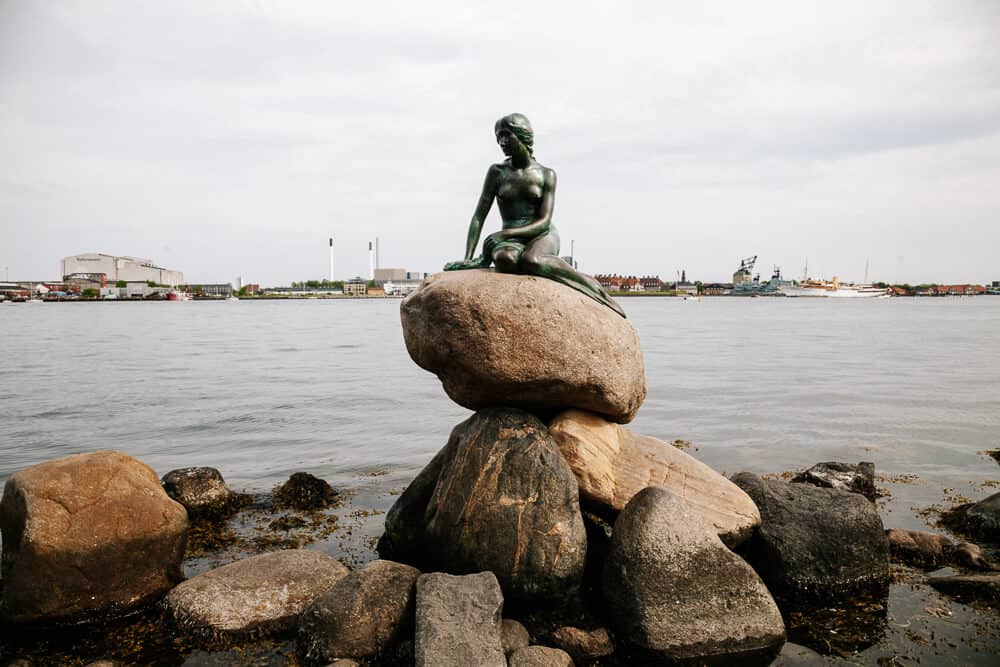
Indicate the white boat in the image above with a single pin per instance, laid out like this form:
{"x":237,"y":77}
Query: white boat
{"x":833,"y":289}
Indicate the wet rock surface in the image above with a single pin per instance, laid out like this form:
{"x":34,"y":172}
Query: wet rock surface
{"x":504,"y":501}
{"x":458,"y":621}
{"x":985,"y":587}
{"x":612,"y":464}
{"x":815,"y":543}
{"x":257,"y":595}
{"x":967,"y":554}
{"x":513,"y":636}
{"x":583,"y":645}
{"x":854,"y":477}
{"x":86,"y":536}
{"x":202,"y":490}
{"x":539,"y":656}
{"x":919,"y":547}
{"x":303,"y":491}
{"x":674,"y":589}
{"x":362,"y":615}
{"x":497,"y":339}
{"x":980,"y":519}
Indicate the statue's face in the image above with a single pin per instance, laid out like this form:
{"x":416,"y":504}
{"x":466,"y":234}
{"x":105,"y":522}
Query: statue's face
{"x":507,"y":141}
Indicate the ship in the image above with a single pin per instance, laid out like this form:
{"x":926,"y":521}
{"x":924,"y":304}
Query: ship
{"x":834,"y":288}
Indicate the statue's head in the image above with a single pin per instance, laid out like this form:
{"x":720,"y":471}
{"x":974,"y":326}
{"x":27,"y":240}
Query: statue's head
{"x":519,"y":126}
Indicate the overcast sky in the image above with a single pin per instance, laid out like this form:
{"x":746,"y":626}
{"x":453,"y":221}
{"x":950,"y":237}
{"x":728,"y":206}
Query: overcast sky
{"x":233,"y":138}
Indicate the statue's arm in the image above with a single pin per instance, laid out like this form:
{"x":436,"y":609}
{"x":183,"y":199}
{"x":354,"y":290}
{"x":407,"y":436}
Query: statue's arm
{"x":482,"y":210}
{"x":542,"y":223}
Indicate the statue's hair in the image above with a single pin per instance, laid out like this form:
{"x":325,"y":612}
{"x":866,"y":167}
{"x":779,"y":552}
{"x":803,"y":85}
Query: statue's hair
{"x":520,"y":127}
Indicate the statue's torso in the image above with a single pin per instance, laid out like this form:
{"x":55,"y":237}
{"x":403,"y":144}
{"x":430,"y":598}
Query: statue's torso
{"x":519,"y":194}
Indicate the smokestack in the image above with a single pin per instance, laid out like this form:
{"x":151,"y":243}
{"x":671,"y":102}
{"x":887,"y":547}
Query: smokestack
{"x":371,"y":261}
{"x":377,"y":265}
{"x":331,"y":259}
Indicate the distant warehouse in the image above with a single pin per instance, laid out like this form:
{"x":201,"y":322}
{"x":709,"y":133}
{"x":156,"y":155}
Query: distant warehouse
{"x":130,"y":269}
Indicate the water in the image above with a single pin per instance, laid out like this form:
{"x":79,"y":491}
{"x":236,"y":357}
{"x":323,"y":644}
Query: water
{"x":263,"y":389}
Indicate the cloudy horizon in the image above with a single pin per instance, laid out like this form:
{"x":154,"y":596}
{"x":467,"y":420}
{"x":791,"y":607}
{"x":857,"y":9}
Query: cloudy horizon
{"x":234,"y":138}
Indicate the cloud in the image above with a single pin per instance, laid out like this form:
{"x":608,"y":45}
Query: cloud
{"x":241,"y":135}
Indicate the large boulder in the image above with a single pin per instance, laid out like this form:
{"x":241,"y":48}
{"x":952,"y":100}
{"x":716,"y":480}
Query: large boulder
{"x":612,"y":464}
{"x":497,"y":339}
{"x":505,"y":501}
{"x":676,"y":591}
{"x":255,"y":595}
{"x":815,"y":543}
{"x":362,"y":615}
{"x":458,"y":621}
{"x":85,"y":535}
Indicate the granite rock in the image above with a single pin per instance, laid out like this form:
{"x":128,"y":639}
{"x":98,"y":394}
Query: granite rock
{"x":815,"y":543}
{"x":498,"y":340}
{"x":256,"y":595}
{"x":361,"y":615}
{"x":674,"y":590}
{"x":86,"y":536}
{"x":458,"y":621}
{"x":539,"y":656}
{"x":612,"y":464}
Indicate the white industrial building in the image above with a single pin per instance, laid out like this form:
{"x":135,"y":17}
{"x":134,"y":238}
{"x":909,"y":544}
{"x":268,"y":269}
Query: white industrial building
{"x":121,"y":268}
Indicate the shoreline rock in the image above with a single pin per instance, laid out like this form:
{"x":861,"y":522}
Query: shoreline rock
{"x":815,"y":543}
{"x":254,"y":596}
{"x":676,"y":591}
{"x":88,"y":536}
{"x":458,"y":621}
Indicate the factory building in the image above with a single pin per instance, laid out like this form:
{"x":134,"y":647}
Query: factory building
{"x":120,"y":268}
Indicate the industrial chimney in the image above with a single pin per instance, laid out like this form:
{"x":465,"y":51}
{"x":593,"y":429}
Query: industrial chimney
{"x":371,"y":261}
{"x":331,"y":259}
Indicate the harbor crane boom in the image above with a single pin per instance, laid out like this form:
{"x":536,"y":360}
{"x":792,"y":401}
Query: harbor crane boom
{"x":748,"y":264}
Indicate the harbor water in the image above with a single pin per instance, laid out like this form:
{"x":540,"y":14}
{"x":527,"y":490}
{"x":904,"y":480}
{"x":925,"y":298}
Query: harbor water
{"x":263,"y":389}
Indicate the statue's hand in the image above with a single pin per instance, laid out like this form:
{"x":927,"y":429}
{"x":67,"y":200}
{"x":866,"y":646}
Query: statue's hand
{"x":463,"y":264}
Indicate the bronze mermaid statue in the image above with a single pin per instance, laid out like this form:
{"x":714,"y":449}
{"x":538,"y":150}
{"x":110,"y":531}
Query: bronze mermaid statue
{"x":527,"y":242}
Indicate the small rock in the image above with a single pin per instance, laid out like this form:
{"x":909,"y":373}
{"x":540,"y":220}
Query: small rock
{"x":303,"y":491}
{"x":199,"y":490}
{"x":540,"y":656}
{"x":980,"y":519}
{"x":853,"y":477}
{"x":101,"y":663}
{"x":583,"y":645}
{"x":612,"y":464}
{"x":985,"y":587}
{"x":513,"y":636}
{"x":361,"y":615}
{"x":87,"y":535}
{"x":344,"y":662}
{"x":815,"y":543}
{"x":261,"y":594}
{"x":918,"y":547}
{"x":796,"y":655}
{"x":504,"y":340}
{"x":970,"y":555}
{"x":673,"y":588}
{"x":458,"y":621}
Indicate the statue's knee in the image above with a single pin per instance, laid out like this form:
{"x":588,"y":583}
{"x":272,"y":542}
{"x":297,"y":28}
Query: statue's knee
{"x":505,"y":260}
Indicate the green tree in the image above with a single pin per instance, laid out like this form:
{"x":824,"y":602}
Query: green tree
{"x":121,"y":283}
{"x":89,"y":293}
